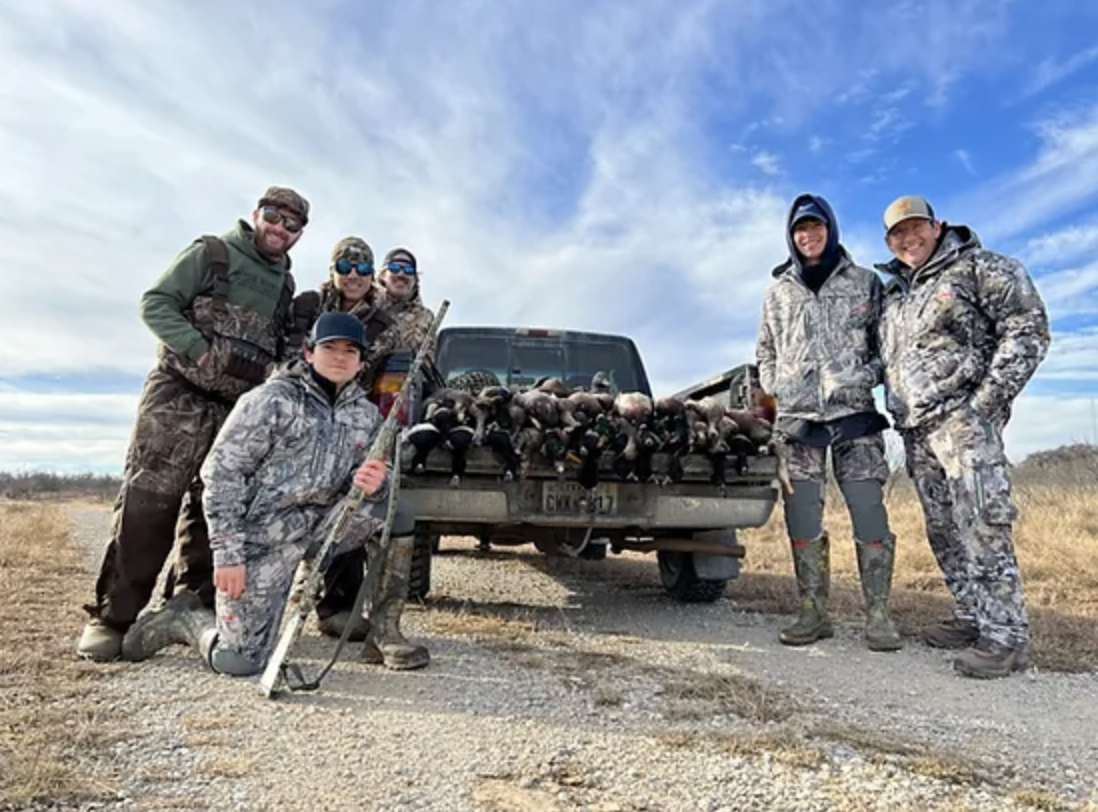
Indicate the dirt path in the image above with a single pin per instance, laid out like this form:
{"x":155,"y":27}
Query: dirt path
{"x":576,"y":685}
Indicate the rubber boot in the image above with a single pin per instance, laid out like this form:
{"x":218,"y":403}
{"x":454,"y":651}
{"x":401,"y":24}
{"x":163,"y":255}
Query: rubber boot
{"x":812,"y":565}
{"x":385,"y":643}
{"x":183,"y":619}
{"x":875,"y":563}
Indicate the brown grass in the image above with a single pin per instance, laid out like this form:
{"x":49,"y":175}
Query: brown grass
{"x":50,"y":734}
{"x":1056,"y":539}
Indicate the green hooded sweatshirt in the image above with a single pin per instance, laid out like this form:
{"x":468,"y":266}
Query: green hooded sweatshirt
{"x":255,"y":283}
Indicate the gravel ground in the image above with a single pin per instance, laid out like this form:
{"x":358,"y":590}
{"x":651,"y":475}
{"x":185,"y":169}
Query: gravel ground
{"x":576,"y":685}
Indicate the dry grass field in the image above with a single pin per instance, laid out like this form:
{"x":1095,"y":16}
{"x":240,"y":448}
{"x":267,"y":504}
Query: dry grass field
{"x":51,"y":736}
{"x":1056,"y":539}
{"x":55,"y":737}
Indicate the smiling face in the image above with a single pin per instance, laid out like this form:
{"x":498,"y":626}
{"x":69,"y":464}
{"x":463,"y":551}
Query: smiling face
{"x":272,"y":238}
{"x":810,"y":237}
{"x":914,"y":240}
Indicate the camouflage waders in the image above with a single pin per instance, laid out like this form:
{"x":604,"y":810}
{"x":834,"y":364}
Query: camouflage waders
{"x":174,"y":430}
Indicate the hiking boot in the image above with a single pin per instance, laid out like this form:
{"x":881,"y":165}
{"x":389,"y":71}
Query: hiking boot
{"x":99,"y":642}
{"x":333,"y":626}
{"x":875,"y":560}
{"x":811,"y":563}
{"x":990,"y":660}
{"x":952,"y":633}
{"x":385,"y":643}
{"x":183,"y":619}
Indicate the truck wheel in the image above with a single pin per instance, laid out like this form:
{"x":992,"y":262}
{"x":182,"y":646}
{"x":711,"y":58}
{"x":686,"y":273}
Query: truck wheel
{"x":419,"y":579}
{"x":682,"y":582}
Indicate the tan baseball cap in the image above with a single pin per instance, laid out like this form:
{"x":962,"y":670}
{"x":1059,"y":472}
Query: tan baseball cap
{"x":907,"y":208}
{"x":354,"y":249}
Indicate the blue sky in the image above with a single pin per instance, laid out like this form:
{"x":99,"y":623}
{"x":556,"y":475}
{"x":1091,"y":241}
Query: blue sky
{"x":611,"y":166}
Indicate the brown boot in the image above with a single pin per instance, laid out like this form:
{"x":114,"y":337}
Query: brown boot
{"x":952,"y":633}
{"x":385,"y":643}
{"x":990,"y":660}
{"x":812,"y":564}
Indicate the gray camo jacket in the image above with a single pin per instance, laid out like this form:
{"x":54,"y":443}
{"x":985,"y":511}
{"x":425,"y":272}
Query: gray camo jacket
{"x":284,"y":456}
{"x":968,"y":327}
{"x":817,"y":354}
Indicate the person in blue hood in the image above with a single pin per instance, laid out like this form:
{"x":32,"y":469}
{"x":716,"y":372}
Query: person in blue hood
{"x":817,"y":355}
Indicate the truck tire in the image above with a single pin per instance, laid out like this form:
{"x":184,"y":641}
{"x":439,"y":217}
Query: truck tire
{"x":419,"y":579}
{"x":682,"y":582}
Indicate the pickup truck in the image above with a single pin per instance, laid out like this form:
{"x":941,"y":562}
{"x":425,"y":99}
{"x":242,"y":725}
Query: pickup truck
{"x":690,"y":525}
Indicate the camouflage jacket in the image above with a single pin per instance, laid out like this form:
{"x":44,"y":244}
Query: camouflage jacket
{"x":284,"y":456}
{"x":817,"y":354}
{"x":413,"y":320}
{"x":967,"y":327}
{"x":236,"y":314}
{"x":308,"y":306}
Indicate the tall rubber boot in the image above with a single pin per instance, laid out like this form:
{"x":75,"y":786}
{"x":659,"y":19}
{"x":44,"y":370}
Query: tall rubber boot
{"x":875,"y":563}
{"x":385,"y":643}
{"x":812,"y":565}
{"x":183,"y":619}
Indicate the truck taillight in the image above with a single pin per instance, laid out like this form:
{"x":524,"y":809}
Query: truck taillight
{"x":385,"y":391}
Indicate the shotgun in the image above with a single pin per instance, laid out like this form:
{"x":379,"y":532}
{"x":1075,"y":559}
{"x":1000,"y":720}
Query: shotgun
{"x":280,"y":672}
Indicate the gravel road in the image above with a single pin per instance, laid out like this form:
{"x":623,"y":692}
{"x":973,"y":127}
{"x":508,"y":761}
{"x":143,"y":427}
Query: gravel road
{"x":577,"y":685}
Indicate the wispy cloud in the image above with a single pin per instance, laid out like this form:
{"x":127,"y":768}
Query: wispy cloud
{"x":767,"y":162}
{"x":965,"y":160}
{"x":1051,"y":71}
{"x":1064,"y":245}
{"x":1063,"y":177}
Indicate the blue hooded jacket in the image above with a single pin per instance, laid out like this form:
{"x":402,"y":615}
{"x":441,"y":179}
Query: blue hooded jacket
{"x":815,"y":206}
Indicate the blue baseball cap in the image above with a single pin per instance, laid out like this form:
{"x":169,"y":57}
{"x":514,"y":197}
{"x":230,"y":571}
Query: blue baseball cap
{"x":809,"y":210}
{"x":336,"y":327}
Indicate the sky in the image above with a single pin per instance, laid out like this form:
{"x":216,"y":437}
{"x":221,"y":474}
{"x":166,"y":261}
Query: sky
{"x":582,"y":164}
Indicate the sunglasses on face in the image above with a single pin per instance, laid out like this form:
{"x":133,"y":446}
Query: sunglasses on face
{"x":289,"y":222}
{"x":406,"y":268}
{"x":344,"y":266}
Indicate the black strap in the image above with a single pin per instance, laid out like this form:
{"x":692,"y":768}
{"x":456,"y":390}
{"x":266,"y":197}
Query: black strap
{"x":217,"y":263}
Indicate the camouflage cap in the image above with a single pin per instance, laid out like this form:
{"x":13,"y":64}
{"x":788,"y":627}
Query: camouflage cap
{"x":353,"y":248}
{"x":287,"y":199}
{"x":396,"y":252}
{"x":907,"y":207}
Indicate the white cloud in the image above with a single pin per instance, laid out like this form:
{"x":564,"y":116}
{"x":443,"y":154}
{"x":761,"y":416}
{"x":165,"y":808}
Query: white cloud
{"x":767,"y":162}
{"x":1051,"y":71}
{"x":547,"y":166}
{"x":1064,"y":245}
{"x":1042,"y":422}
{"x":1062,"y":178}
{"x":965,"y":160}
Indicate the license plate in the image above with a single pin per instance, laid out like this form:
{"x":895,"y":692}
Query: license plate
{"x":569,"y":498}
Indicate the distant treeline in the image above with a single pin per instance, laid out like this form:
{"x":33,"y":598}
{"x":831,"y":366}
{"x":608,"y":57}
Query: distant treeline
{"x":31,"y":484}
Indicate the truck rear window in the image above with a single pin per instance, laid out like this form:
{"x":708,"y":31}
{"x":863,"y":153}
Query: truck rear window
{"x":522,"y":361}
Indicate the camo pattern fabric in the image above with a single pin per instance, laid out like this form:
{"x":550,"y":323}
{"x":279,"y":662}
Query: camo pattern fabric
{"x":862,"y":458}
{"x":174,"y":430}
{"x":817,"y":353}
{"x":967,"y":326}
{"x":248,"y":626}
{"x":309,"y":305}
{"x":962,"y":477}
{"x":413,"y":321}
{"x":274,"y":479}
{"x":284,"y":455}
{"x":244,"y":347}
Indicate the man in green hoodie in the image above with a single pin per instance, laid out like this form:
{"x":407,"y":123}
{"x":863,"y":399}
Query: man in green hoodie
{"x":220,"y":312}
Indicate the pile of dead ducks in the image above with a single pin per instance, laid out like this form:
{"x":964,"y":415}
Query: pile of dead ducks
{"x":578,"y":430}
